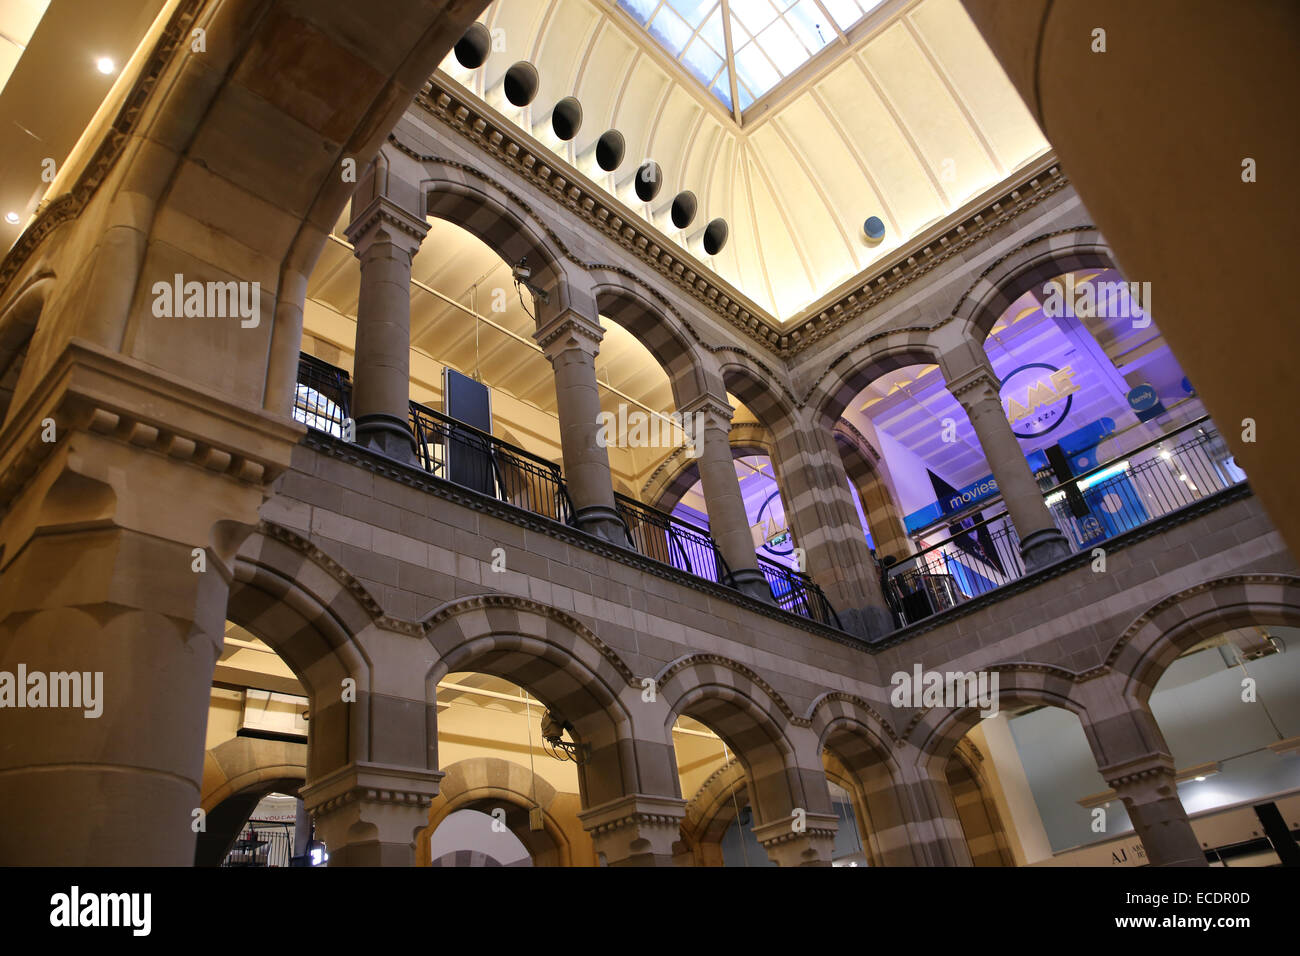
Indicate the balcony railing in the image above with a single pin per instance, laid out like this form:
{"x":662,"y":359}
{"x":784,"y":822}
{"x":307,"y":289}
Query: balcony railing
{"x":466,"y":456}
{"x":798,"y":593}
{"x":1167,"y":473}
{"x":262,"y":843}
{"x":668,"y":539}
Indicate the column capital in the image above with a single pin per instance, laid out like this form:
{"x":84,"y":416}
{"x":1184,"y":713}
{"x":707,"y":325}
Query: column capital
{"x":568,"y":331}
{"x":811,"y":846}
{"x":382,"y":219}
{"x":371,"y":783}
{"x":637,"y":829}
{"x":979,"y":384}
{"x":717,"y":412}
{"x":1143,"y":778}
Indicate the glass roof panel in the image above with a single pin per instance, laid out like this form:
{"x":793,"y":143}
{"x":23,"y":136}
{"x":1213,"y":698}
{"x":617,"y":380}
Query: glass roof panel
{"x":770,"y":39}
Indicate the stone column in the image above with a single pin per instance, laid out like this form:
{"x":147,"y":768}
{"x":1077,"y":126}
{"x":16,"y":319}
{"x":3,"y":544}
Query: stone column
{"x":571,"y":342}
{"x":710,"y":433}
{"x":369,"y":814}
{"x":822,"y":517}
{"x":792,"y":843}
{"x":385,"y":237}
{"x":1041,"y":542}
{"x":1146,"y":785}
{"x":637,"y":830}
{"x":118,"y":543}
{"x":940,"y":839}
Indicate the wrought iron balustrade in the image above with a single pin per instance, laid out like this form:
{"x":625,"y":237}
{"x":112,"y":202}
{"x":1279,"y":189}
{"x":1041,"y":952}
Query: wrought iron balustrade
{"x":1156,"y":478}
{"x":797,"y":593}
{"x":670,"y":540}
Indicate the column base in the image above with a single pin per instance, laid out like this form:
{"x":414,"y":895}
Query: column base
{"x":1042,"y":548}
{"x":387,"y":435}
{"x":868,"y":623}
{"x":602,"y":522}
{"x":639,"y":830}
{"x":752,"y":583}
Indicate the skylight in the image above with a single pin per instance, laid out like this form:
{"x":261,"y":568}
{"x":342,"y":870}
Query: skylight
{"x":770,"y":39}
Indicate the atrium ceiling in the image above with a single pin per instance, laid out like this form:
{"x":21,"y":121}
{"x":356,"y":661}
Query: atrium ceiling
{"x":903,"y":115}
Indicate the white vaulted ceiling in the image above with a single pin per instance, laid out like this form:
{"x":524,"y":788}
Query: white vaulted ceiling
{"x":906,"y":116}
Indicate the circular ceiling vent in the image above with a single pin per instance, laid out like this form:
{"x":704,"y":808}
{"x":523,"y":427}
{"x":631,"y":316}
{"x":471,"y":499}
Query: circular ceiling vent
{"x":715,"y":236}
{"x":609,"y":150}
{"x":684,"y":207}
{"x":874,"y":228}
{"x":649,"y":180}
{"x":472,"y":49}
{"x":566,"y":118}
{"x":521,"y":83}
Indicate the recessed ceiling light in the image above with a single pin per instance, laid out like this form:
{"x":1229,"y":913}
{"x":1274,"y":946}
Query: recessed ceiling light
{"x":105,"y":65}
{"x":12,"y":218}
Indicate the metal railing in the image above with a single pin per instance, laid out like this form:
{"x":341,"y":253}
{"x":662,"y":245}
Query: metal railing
{"x":1164,"y":474}
{"x":670,"y":540}
{"x":474,"y":459}
{"x":263,"y":843}
{"x":797,"y":593}
{"x":484,"y":463}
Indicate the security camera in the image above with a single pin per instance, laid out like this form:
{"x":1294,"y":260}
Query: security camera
{"x":521,"y":272}
{"x":552,"y":728}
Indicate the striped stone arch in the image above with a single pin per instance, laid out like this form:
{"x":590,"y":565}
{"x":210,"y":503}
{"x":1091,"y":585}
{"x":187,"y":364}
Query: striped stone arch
{"x":309,"y":610}
{"x":1170,"y":628}
{"x":759,"y":387}
{"x":506,"y":225}
{"x":660,"y":330}
{"x":866,"y":470}
{"x":863,"y":742}
{"x":557,"y":659}
{"x":937,"y":730}
{"x":678,"y":472}
{"x":1028,"y":267}
{"x":713,"y":809}
{"x":20,"y":312}
{"x":986,"y":837}
{"x":854,"y":370}
{"x":488,"y":783}
{"x":755,"y":723}
{"x":249,"y":763}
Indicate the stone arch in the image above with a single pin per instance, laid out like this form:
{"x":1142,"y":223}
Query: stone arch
{"x":1169,"y":628}
{"x":661,"y":331}
{"x":978,"y":814}
{"x":852,"y":730}
{"x":504,"y":224}
{"x":237,"y":774}
{"x":565,"y":666}
{"x":867,"y":471}
{"x":759,"y":387}
{"x":937,"y":731}
{"x":1025,"y":268}
{"x":755,"y":723}
{"x":713,"y":809}
{"x":19,"y":318}
{"x":678,"y":472}
{"x":853,"y":371}
{"x":486,"y":783}
{"x":309,"y":610}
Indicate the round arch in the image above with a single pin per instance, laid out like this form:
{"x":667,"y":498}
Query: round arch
{"x":679,"y":472}
{"x":1161,"y":634}
{"x":853,"y":371}
{"x":1026,"y":268}
{"x":508,"y":227}
{"x":488,"y":783}
{"x":754,"y":722}
{"x":661,"y":331}
{"x":237,"y":774}
{"x":559,"y":661}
